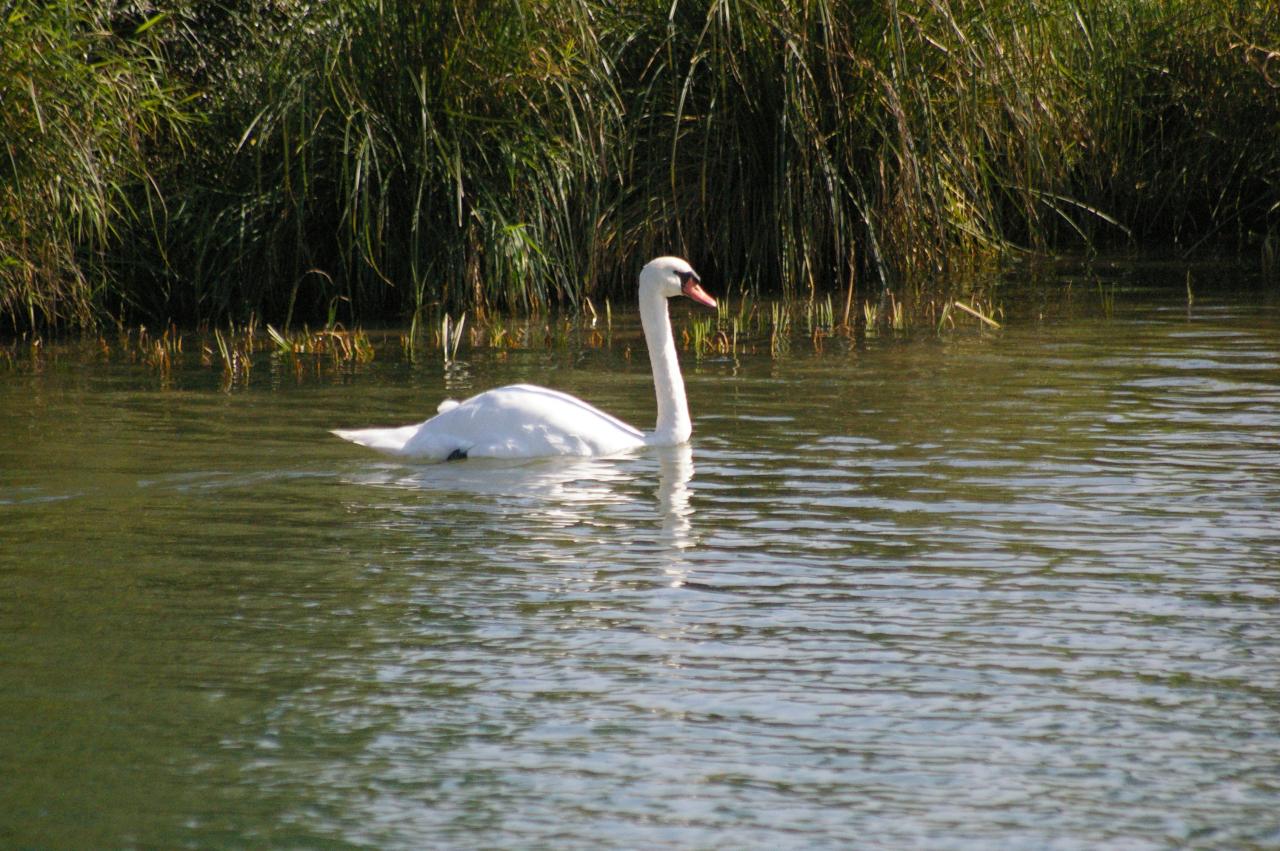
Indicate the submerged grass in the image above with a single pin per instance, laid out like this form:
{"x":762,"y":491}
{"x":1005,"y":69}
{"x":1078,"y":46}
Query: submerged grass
{"x":411,"y":158}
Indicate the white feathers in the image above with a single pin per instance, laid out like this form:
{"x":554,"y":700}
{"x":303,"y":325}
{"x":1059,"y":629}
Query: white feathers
{"x":526,"y":421}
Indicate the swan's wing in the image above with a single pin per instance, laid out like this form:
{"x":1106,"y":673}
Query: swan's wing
{"x":521,"y":421}
{"x":591,"y":417}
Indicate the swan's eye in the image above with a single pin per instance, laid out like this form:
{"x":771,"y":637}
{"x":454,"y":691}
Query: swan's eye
{"x":685,"y":276}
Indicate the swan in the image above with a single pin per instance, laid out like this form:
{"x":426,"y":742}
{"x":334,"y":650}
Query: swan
{"x":527,"y":421}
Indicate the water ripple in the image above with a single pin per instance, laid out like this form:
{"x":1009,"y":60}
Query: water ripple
{"x":1015,"y":591}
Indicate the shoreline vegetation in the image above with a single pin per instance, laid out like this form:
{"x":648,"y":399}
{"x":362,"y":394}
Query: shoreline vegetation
{"x":740,"y":329}
{"x":337,"y":163}
{"x":747,"y":328}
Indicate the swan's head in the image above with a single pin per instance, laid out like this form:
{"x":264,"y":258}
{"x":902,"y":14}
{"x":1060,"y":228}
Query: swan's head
{"x":670,"y":277}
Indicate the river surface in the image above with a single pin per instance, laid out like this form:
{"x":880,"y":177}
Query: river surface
{"x":1012,"y":588}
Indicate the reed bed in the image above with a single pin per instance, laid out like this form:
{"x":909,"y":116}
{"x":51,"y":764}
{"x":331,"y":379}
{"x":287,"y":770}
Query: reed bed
{"x":83,"y":91}
{"x":740,"y":328}
{"x":365,"y":160}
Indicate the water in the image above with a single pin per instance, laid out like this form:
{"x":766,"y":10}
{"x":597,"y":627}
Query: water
{"x":1010,"y":589}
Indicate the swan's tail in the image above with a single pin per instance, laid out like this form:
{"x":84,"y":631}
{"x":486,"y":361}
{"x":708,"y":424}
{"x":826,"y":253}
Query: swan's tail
{"x":390,"y":440}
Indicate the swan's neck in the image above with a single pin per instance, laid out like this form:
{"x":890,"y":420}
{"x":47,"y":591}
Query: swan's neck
{"x":673,"y":427}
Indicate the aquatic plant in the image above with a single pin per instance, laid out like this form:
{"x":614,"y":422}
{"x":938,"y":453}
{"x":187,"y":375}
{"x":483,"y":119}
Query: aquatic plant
{"x":161,"y":353}
{"x":976,"y":314}
{"x":1107,"y":299}
{"x":404,"y":158}
{"x":779,"y":328}
{"x":236,"y":355}
{"x":340,"y":344}
{"x":84,"y":95}
{"x":450,"y":336}
{"x":423,"y":156}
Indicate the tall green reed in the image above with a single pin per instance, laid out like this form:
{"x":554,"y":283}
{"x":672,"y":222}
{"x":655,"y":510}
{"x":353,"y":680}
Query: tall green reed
{"x":399,"y":159}
{"x":409,"y":156}
{"x":83,"y":95}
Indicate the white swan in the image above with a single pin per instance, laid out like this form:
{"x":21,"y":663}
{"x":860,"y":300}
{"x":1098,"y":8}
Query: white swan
{"x":525,"y":421}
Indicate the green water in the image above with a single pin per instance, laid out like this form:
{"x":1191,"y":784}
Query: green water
{"x":994,"y":589}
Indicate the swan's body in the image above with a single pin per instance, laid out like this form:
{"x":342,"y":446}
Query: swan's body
{"x":526,"y":421}
{"x":519,"y":421}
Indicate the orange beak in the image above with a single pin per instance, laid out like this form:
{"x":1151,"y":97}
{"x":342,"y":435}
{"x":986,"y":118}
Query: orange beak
{"x":692,"y":288}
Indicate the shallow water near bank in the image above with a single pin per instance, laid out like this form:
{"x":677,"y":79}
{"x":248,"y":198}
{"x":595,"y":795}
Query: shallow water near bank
{"x":989,"y":589}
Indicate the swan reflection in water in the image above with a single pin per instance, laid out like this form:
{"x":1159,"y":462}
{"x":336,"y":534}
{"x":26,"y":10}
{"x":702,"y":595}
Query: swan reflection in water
{"x":675,"y":472}
{"x":561,"y":493}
